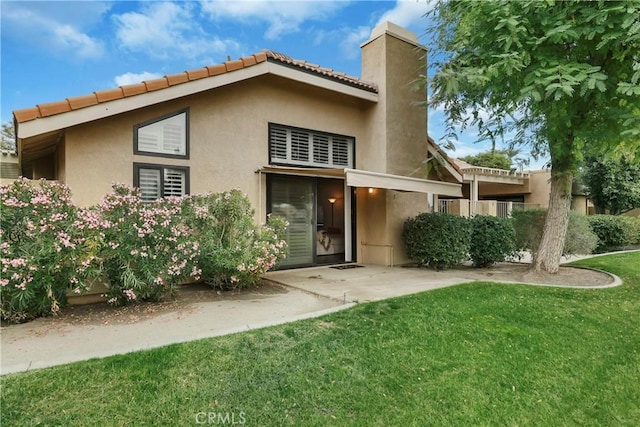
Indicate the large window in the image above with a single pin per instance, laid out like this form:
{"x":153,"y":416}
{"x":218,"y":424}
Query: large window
{"x":156,"y":181}
{"x":301,"y":147}
{"x":166,"y":136}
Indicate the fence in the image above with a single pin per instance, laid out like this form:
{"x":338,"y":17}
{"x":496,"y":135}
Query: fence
{"x":465,"y":207}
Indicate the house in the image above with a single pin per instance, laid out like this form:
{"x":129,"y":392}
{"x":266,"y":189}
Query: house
{"x":9,"y":166}
{"x":489,"y":191}
{"x":340,"y":157}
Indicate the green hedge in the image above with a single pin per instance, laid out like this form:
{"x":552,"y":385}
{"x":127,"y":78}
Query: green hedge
{"x":493,"y":239}
{"x":443,"y":241}
{"x":528,"y":226}
{"x":614,"y":232}
{"x":437,"y":240}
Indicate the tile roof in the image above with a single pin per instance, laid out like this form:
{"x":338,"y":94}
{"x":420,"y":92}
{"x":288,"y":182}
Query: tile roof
{"x":451,"y":161}
{"x":102,"y":96}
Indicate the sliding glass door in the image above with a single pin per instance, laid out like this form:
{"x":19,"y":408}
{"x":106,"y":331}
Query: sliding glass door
{"x":294,"y":199}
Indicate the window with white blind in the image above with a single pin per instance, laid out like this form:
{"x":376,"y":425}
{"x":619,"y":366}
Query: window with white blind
{"x":166,"y":136}
{"x":156,"y":181}
{"x":301,"y":147}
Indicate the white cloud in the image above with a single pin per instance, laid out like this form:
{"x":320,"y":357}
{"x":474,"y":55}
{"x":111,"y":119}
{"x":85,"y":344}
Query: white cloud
{"x":55,"y":29}
{"x":407,"y":13}
{"x":281,"y":17}
{"x":133,"y":78}
{"x":169,"y":30}
{"x":347,"y":38}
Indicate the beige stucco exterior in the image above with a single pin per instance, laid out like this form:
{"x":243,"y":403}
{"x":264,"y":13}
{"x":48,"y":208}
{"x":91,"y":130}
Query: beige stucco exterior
{"x":228,"y":137}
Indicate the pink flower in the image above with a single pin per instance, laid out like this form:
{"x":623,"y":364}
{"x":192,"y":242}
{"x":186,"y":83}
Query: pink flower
{"x":130,"y":294}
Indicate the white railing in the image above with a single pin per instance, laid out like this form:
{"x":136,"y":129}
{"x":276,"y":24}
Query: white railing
{"x":466,"y":207}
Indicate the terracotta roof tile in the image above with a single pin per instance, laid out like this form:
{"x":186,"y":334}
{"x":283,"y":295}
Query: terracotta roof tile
{"x":26,"y":114}
{"x":214,"y":70}
{"x":109,"y":94}
{"x":83,"y":101}
{"x":234,"y":65}
{"x":248,"y":61}
{"x":134,"y":89}
{"x":52,"y":108}
{"x":176,"y":79}
{"x":156,"y":84}
{"x":199,"y":73}
{"x":74,"y":103}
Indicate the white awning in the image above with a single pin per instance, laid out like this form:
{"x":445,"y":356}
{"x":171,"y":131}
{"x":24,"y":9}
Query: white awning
{"x":362,"y":178}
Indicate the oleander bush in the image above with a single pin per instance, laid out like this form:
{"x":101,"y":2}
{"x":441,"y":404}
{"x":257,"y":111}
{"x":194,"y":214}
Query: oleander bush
{"x":614,"y":232}
{"x":437,"y":240}
{"x":492,"y":240}
{"x":147,"y":249}
{"x":48,"y":246}
{"x":234,"y":251}
{"x":44,"y":249}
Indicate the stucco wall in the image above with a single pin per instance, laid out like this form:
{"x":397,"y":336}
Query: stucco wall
{"x":228,"y":136}
{"x":399,"y":120}
{"x":539,"y":186}
{"x":372,"y":233}
{"x":402,"y":206}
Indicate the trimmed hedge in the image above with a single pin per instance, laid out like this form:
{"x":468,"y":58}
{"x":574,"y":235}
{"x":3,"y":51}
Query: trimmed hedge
{"x":528,"y":226}
{"x":493,"y":239}
{"x":614,"y":232}
{"x":437,"y":240}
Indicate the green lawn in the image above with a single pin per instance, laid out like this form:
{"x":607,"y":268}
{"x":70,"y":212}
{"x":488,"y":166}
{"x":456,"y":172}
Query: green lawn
{"x":475,"y":354}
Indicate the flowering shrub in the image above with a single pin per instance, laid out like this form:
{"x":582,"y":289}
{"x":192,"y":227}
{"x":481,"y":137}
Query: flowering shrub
{"x":48,"y":246}
{"x":234,"y":251}
{"x":147,"y":249}
{"x":43,"y":250}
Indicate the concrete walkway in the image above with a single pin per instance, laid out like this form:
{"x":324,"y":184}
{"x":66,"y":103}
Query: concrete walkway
{"x":49,"y":341}
{"x":309,"y":292}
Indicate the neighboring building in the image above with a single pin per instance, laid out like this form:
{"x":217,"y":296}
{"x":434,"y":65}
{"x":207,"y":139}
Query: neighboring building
{"x":489,"y":191}
{"x":341,"y":157}
{"x":9,"y":166}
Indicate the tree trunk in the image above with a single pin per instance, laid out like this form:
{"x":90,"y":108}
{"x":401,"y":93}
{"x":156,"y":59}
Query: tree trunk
{"x":555,"y":225}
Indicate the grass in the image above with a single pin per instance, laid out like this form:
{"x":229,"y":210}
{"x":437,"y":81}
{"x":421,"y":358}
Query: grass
{"x":475,"y":354}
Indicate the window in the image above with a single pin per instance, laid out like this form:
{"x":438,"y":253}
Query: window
{"x":156,"y":181}
{"x":293,"y":146}
{"x":166,"y":136}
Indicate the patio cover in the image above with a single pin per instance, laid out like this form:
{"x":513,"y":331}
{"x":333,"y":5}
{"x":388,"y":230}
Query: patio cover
{"x":363,"y":178}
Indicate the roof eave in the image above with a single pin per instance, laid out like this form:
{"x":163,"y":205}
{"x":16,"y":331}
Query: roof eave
{"x":68,"y":119}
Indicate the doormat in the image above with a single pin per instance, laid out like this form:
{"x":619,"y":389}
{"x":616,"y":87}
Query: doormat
{"x":346,"y":266}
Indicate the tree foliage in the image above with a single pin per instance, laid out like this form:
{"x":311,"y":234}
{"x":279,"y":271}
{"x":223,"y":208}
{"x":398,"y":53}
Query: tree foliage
{"x":489,"y":159}
{"x":8,"y":137}
{"x":560,"y":77}
{"x":612,"y":184}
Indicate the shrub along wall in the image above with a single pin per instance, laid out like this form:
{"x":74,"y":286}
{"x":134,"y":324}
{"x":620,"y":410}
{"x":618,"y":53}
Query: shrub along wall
{"x":492,"y":240}
{"x":614,"y":232}
{"x":528,"y":226}
{"x":49,"y":246}
{"x":442,"y":241}
{"x":437,"y":240}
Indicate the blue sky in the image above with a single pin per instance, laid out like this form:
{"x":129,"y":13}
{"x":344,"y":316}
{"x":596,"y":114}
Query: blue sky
{"x":52,"y":50}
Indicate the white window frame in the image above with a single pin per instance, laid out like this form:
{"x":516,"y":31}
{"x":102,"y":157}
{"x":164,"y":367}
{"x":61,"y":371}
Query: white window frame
{"x":287,"y":151}
{"x":156,"y":128}
{"x":163,"y":172}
